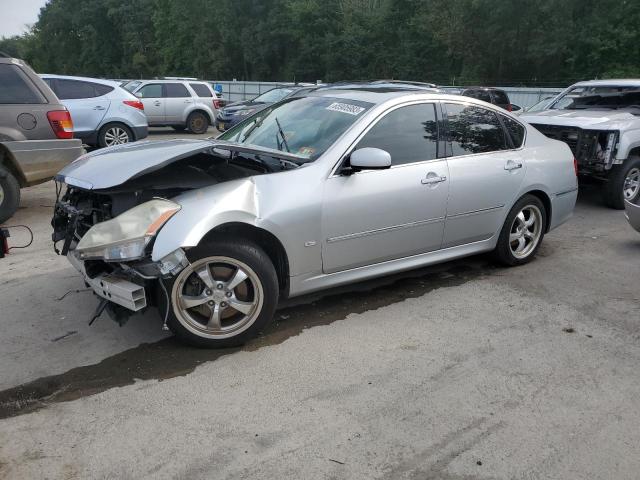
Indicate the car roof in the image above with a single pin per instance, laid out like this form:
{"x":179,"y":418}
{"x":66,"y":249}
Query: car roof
{"x":614,"y":82}
{"x":159,"y":80}
{"x":376,"y":94}
{"x":101,"y":81}
{"x":483,"y":88}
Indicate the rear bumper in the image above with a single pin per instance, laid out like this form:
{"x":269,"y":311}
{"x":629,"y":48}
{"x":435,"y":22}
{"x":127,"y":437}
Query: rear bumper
{"x":632,"y":212}
{"x":562,"y":205}
{"x":40,"y":160}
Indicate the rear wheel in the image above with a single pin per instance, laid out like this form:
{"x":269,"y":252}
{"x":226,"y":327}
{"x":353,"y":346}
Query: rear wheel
{"x":623,"y":183}
{"x":224,"y":297}
{"x":114,"y":134}
{"x":522,"y":232}
{"x":9,"y":194}
{"x":197,"y":122}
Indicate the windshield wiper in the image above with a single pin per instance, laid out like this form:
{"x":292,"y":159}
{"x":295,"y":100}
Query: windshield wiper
{"x":284,"y":140}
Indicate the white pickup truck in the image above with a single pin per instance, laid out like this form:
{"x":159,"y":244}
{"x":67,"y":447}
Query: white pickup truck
{"x":600,"y":121}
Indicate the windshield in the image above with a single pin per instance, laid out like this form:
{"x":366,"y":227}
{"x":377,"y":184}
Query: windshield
{"x":273,"y":96}
{"x":131,"y":86}
{"x":541,"y":105}
{"x":600,"y":97}
{"x":306,"y":126}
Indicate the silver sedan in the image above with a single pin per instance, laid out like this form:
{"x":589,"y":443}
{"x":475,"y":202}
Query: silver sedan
{"x":344,"y":184}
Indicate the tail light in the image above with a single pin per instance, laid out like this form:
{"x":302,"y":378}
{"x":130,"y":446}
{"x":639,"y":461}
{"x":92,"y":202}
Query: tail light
{"x":135,"y":104}
{"x":575,"y":165}
{"x":217,"y":104}
{"x":61,"y":123}
{"x":509,"y":108}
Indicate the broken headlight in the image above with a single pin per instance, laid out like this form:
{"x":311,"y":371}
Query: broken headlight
{"x":126,"y":236}
{"x":607,"y":147}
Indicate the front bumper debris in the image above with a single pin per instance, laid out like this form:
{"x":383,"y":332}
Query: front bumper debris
{"x":113,"y":287}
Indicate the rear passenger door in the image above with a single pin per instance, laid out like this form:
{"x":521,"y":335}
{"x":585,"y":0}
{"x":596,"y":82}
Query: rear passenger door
{"x":486,"y":170}
{"x":152,"y":97}
{"x":177,"y":101}
{"x":84,"y":100}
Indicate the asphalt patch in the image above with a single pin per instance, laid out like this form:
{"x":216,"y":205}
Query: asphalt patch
{"x":168,"y":358}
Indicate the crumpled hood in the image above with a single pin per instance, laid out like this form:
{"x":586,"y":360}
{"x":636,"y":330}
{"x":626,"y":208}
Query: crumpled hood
{"x":115,"y":165}
{"x":588,"y":119}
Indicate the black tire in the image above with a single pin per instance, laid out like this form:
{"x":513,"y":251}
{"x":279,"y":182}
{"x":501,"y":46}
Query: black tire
{"x":9,"y":194}
{"x":179,"y":128}
{"x":197,"y":122}
{"x":503,"y":251}
{"x":113,"y":130}
{"x":247,"y":253}
{"x":613,"y":193}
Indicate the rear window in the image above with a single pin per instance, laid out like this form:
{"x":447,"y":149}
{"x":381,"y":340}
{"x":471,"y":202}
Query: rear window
{"x":78,"y":89}
{"x":501,"y":97}
{"x":176,"y":90}
{"x":201,"y":90}
{"x":483,"y":95}
{"x":515,"y":129}
{"x":16,"y":88}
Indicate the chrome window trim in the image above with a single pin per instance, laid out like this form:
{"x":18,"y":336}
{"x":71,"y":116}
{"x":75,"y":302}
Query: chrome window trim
{"x":494,"y":110}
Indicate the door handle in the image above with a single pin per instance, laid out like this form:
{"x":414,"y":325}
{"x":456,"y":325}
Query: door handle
{"x":99,"y":107}
{"x":156,"y":103}
{"x":433,"y":178}
{"x":187,"y":101}
{"x":511,"y":165}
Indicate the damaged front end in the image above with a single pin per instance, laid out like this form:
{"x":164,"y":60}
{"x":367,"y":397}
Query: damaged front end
{"x":594,"y":150}
{"x":117,"y":200}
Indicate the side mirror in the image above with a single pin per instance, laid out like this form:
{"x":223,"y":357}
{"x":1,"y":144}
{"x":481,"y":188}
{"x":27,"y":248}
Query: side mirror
{"x":369,"y":158}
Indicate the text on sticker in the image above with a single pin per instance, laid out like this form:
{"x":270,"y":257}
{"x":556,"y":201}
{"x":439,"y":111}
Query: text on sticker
{"x":345,"y":108}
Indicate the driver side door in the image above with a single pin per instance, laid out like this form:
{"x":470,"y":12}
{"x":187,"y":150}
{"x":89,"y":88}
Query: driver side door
{"x":374,"y":216}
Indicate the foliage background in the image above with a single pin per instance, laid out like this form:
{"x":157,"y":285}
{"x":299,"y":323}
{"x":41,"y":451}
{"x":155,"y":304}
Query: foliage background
{"x":514,"y":42}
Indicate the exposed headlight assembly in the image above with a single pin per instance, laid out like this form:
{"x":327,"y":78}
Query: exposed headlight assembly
{"x":125,"y":237}
{"x":244,"y":113}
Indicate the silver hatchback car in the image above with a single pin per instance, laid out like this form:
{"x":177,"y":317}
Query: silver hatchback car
{"x":338,"y":186}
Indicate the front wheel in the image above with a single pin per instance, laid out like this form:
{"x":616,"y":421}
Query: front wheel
{"x":197,"y":122}
{"x":522,"y":232}
{"x":225,"y":296}
{"x":623,"y":183}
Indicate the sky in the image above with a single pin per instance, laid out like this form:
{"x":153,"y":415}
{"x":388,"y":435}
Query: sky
{"x":17,"y":15}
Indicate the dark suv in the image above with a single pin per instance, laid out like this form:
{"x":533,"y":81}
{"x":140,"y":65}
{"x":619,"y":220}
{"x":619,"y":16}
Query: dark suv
{"x":490,"y":95}
{"x":36,"y":133}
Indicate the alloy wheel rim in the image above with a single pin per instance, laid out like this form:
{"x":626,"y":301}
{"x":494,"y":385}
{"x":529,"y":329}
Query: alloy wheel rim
{"x":197,"y":123}
{"x":631,"y":184}
{"x":525,"y":231}
{"x":217,"y":297}
{"x":116,"y":136}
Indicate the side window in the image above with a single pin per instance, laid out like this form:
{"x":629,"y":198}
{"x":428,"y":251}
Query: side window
{"x":176,"y":90}
{"x":515,"y":129}
{"x":201,"y":90}
{"x":474,"y":130}
{"x":409,"y":134}
{"x":77,"y":89}
{"x":152,"y":90}
{"x":16,"y":88}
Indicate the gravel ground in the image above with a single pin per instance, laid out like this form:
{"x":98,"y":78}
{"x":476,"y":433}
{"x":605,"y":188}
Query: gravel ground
{"x":461,"y":371}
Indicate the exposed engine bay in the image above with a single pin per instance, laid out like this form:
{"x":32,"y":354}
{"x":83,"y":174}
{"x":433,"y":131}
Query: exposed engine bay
{"x":594,"y":150}
{"x":77,"y":210}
